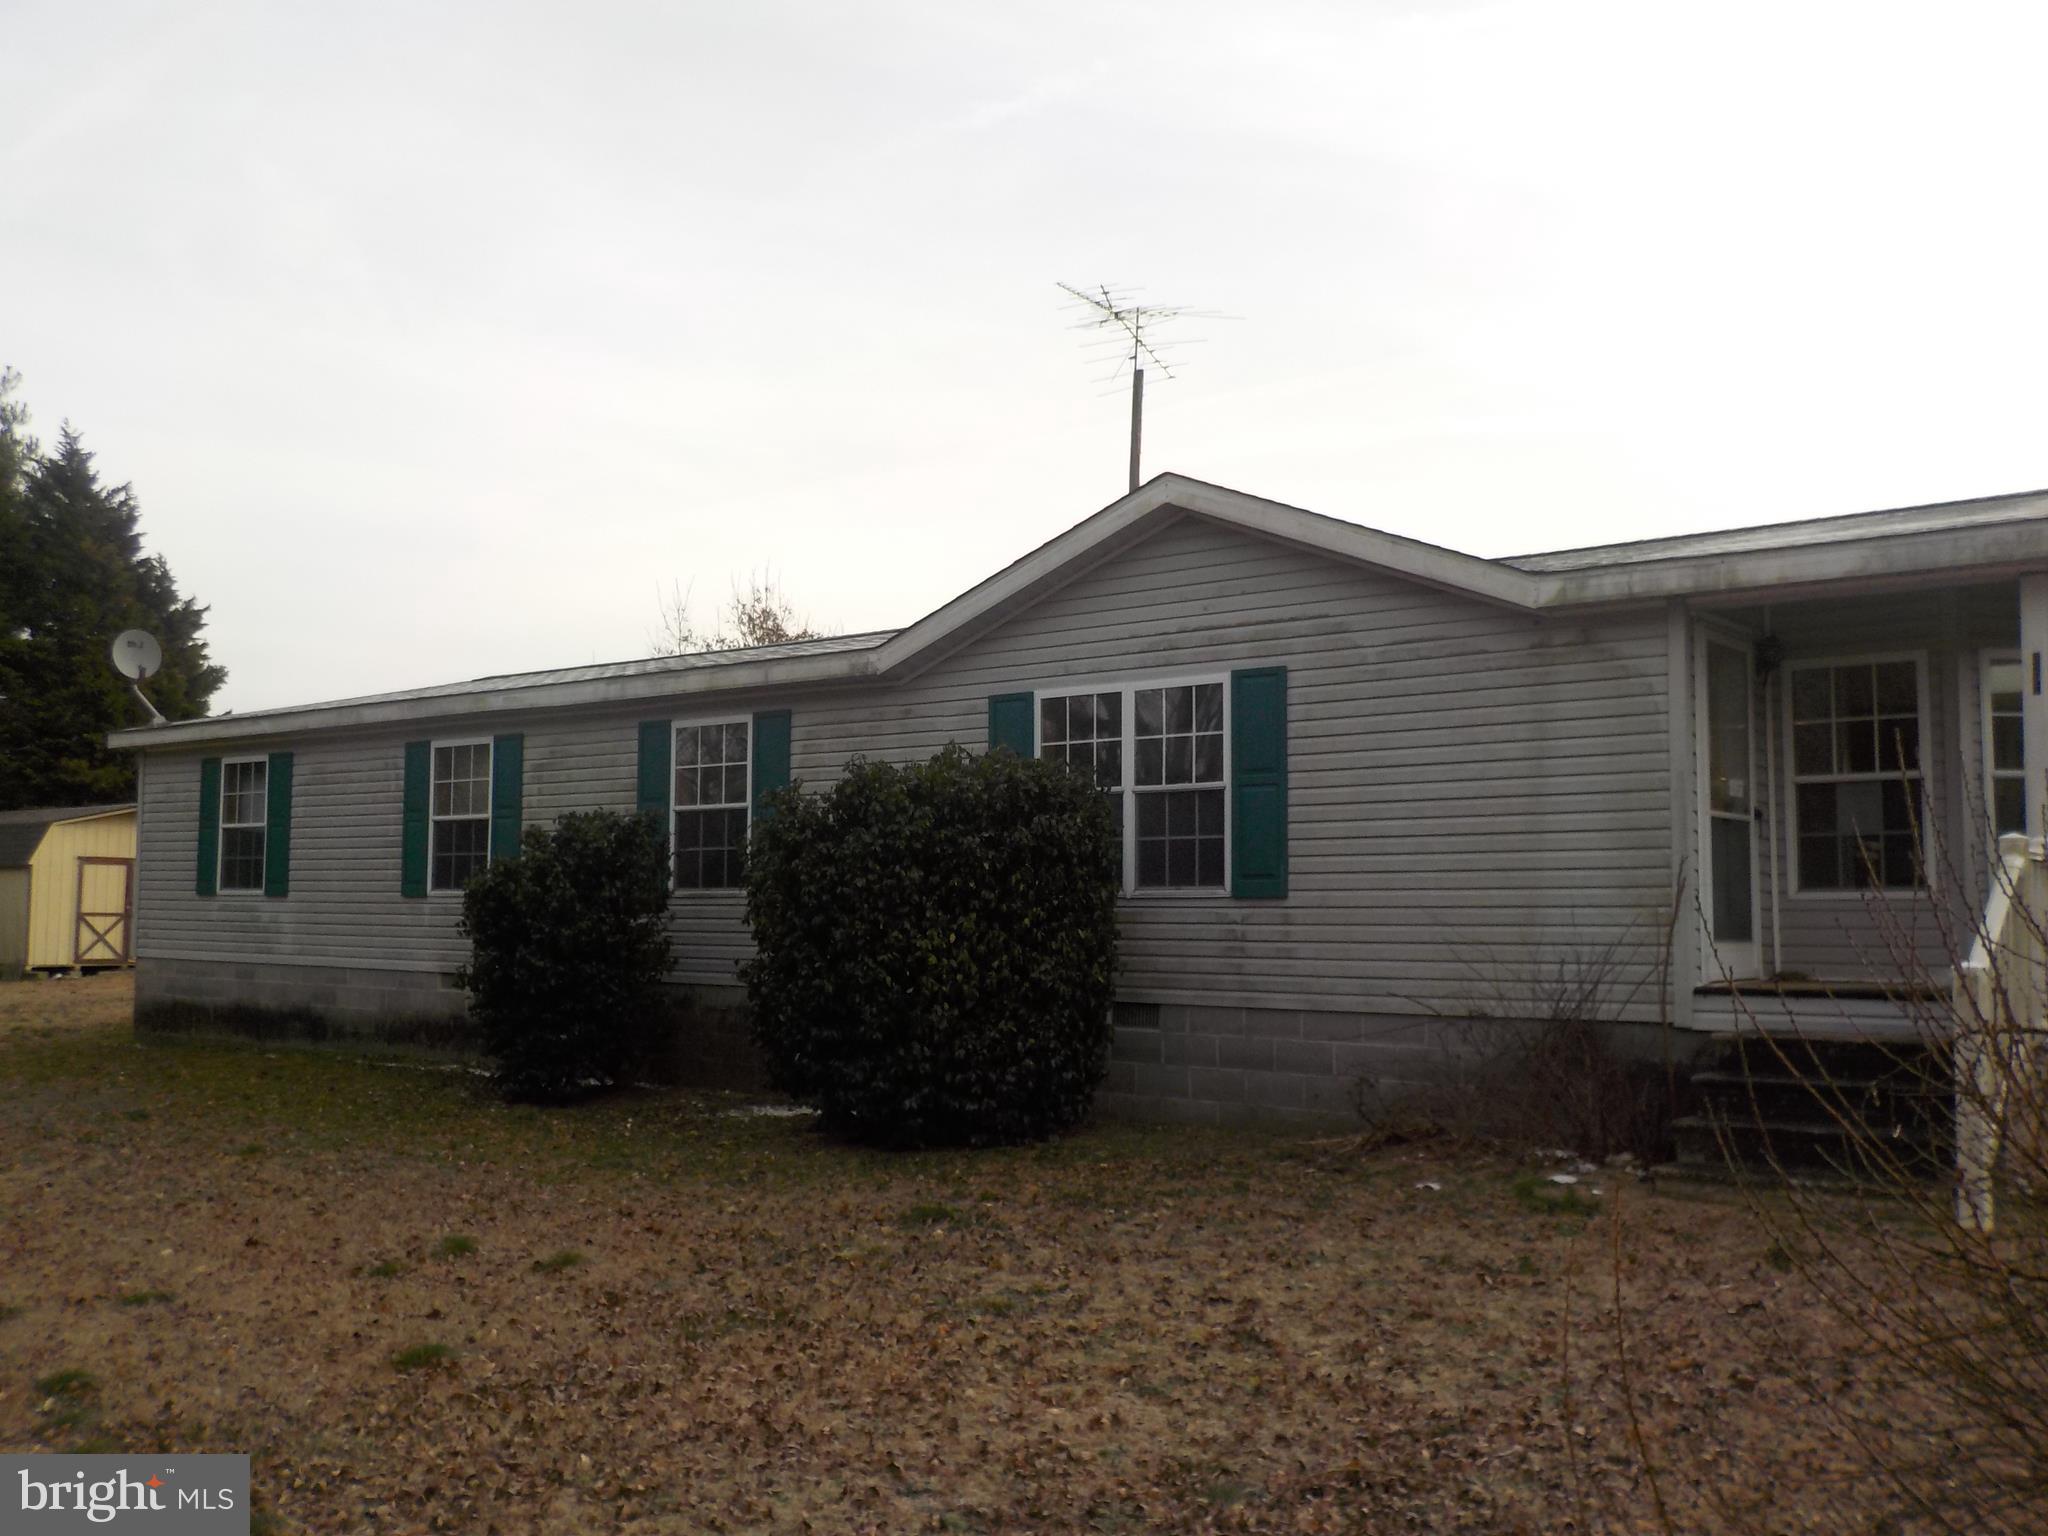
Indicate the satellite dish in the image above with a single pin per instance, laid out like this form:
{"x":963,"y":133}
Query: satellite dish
{"x":137,"y":654}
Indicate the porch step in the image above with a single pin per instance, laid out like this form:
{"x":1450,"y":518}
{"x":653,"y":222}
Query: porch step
{"x":1858,"y":1111}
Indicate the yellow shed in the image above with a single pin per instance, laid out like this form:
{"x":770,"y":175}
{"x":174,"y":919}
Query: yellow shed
{"x":67,"y":888}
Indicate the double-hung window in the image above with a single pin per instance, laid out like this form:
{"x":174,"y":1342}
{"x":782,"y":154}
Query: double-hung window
{"x":712,"y":763}
{"x":1158,"y":749}
{"x":461,"y":835}
{"x":1857,"y":781}
{"x":2005,"y":760}
{"x":244,"y":799}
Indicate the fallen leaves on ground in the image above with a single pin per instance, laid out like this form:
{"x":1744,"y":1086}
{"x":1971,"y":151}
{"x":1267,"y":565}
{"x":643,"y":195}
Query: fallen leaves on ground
{"x":356,"y":1273}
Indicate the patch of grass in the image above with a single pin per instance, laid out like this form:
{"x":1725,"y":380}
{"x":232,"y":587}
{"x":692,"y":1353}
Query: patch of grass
{"x":143,"y":1298}
{"x":250,"y":1149}
{"x":9,"y":1312}
{"x":1779,"y":1257}
{"x":1534,"y":1192}
{"x":555,"y":1263}
{"x":930,"y":1213}
{"x":1225,"y":1492}
{"x":71,"y":1383}
{"x":422,"y":1357}
{"x":135,"y":1114}
{"x":1525,"y":1265}
{"x":455,"y":1247}
{"x":390,"y":1269}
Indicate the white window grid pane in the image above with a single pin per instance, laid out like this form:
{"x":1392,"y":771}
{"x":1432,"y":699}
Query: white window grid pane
{"x":1882,"y":724}
{"x":241,"y":858}
{"x":1094,"y":732}
{"x":1851,"y":691}
{"x":702,"y":779}
{"x":242,"y":794}
{"x":1187,"y":720}
{"x":459,"y":842}
{"x":2005,"y":741}
{"x":711,"y":793}
{"x":1184,"y":745}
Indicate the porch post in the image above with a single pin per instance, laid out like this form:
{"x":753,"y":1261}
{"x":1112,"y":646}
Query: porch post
{"x":1686,"y":921}
{"x":2033,"y":682}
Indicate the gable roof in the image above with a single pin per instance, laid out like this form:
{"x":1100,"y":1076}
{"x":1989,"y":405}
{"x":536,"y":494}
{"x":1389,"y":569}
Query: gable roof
{"x":21,"y":832}
{"x":1986,"y":537}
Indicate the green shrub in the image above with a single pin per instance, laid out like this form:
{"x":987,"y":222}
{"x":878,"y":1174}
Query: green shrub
{"x":935,"y":948}
{"x":567,"y":944}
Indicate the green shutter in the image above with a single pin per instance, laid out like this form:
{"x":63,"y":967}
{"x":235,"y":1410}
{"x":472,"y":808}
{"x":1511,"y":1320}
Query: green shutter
{"x":419,"y":786}
{"x":657,"y":742}
{"x":508,"y":788}
{"x":770,"y":755}
{"x":1258,"y":783}
{"x":277,"y":826}
{"x":1010,"y":723}
{"x":208,"y":872}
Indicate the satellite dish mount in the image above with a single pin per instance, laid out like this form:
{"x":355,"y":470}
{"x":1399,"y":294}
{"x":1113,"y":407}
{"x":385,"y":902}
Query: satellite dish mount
{"x":137,"y":656}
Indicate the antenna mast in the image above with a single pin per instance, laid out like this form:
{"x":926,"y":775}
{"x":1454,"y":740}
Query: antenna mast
{"x":1128,"y":324}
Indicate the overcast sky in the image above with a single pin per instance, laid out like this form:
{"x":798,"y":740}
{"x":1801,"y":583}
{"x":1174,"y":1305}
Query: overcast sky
{"x":436,"y":338}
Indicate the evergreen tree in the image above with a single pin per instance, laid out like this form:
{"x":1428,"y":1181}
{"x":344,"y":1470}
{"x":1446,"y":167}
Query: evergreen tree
{"x":72,"y":576}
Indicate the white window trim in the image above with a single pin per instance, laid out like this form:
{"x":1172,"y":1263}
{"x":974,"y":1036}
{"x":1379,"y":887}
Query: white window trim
{"x":490,"y":793}
{"x":705,"y":892}
{"x":1928,"y":787}
{"x":1990,"y":775}
{"x":1128,"y":883}
{"x":220,"y":809}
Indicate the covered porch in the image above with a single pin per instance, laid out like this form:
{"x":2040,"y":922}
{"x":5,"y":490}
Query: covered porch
{"x":1856,"y":749}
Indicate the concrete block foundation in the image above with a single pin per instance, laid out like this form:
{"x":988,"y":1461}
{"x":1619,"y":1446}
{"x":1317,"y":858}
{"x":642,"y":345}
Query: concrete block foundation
{"x":1166,"y":1061}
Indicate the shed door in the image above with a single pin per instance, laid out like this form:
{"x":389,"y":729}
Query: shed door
{"x":106,"y":905}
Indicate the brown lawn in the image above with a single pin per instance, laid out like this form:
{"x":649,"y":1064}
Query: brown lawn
{"x":423,"y":1310}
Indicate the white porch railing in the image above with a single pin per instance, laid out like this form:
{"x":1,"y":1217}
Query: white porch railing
{"x":2001,"y":991}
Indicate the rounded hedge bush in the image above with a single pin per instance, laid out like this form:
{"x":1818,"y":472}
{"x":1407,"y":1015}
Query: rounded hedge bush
{"x":567,"y":944}
{"x":935,"y":948}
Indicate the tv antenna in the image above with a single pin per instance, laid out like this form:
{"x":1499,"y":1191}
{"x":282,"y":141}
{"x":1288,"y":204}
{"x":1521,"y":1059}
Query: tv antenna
{"x":1131,"y":329}
{"x":137,"y":656}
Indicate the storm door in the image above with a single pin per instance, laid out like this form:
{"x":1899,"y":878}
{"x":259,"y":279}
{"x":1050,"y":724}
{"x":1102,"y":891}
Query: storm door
{"x":1728,"y":855}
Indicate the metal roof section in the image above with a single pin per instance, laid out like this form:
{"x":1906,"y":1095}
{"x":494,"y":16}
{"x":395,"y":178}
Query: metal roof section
{"x":21,"y":832}
{"x":650,"y":666}
{"x":1987,"y":537}
{"x":1940,"y":517}
{"x":835,"y":658}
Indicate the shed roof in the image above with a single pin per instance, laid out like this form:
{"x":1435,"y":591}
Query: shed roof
{"x":21,"y":832}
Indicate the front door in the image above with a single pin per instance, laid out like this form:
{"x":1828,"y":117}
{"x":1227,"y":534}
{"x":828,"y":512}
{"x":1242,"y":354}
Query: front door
{"x":106,"y":904}
{"x":1728,"y":862}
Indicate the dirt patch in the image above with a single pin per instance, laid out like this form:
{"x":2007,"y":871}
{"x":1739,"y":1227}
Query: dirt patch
{"x":422,"y":1310}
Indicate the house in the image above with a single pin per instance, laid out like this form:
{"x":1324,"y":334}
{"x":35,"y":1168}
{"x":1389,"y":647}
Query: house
{"x":67,"y":885}
{"x":1370,"y":786}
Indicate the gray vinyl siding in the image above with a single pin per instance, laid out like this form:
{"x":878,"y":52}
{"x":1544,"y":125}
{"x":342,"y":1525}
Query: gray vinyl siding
{"x":345,"y":905}
{"x":1475,"y":794}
